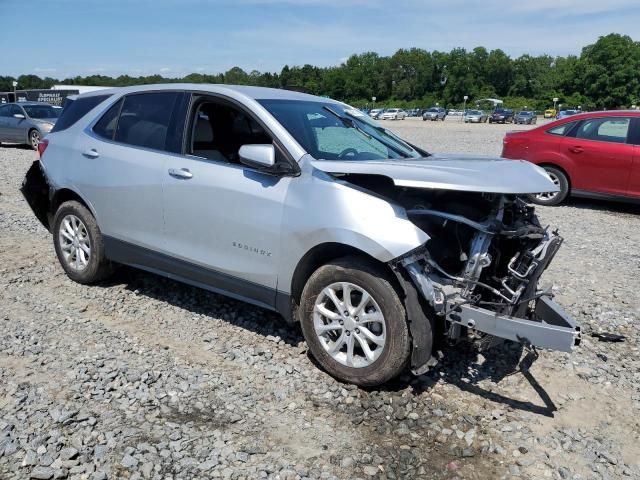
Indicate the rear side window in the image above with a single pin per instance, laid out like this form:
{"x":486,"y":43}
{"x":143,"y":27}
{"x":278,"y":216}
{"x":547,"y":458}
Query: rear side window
{"x":144,"y":119}
{"x":74,"y":110}
{"x":106,"y":126}
{"x":561,"y":130}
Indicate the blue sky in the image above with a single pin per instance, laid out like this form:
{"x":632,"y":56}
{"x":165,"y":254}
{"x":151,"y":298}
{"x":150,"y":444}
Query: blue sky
{"x":61,"y":38}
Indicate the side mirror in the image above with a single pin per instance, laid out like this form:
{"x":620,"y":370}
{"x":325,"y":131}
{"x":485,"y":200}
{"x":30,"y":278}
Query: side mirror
{"x":261,"y":156}
{"x":19,"y":116}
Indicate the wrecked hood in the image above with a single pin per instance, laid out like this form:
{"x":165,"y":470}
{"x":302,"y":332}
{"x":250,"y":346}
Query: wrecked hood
{"x":451,"y":172}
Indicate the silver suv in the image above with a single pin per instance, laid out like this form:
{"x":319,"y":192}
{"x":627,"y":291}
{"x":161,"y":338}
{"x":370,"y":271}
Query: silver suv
{"x":305,"y":206}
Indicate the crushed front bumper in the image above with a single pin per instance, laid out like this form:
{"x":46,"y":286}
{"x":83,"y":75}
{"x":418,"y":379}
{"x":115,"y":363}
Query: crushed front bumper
{"x":551,"y":327}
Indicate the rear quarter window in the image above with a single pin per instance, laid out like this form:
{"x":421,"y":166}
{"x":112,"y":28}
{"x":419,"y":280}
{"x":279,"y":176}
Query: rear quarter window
{"x":74,"y":110}
{"x":561,"y":130}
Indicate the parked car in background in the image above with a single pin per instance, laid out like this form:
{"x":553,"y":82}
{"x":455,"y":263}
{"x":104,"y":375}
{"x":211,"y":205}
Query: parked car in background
{"x":393,"y":114}
{"x":26,"y":122}
{"x":455,"y":113}
{"x":376,"y":112}
{"x":501,"y":115}
{"x":274,"y":197}
{"x":526,"y":117}
{"x":434,"y":114}
{"x":475,"y":116}
{"x":550,"y":113}
{"x":414,"y":112}
{"x":566,"y":113}
{"x":595,"y":154}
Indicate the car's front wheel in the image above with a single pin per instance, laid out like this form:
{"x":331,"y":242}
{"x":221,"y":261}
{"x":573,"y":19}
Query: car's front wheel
{"x":553,"y":198}
{"x":78,"y":243}
{"x":354,"y":322}
{"x":34,"y":139}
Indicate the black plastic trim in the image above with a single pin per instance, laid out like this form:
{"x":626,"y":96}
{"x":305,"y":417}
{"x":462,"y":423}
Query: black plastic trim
{"x":177,"y":269}
{"x":604,"y":196}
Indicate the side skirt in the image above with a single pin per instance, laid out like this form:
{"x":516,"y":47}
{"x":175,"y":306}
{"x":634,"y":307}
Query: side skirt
{"x":161,"y":264}
{"x":604,"y":196}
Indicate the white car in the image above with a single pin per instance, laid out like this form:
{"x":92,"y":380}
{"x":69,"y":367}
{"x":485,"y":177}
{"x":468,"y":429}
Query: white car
{"x":394,"y":114}
{"x":376,"y":112}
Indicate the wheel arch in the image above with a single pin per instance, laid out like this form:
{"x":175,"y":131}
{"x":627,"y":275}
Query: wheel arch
{"x":546,"y":163}
{"x":59,"y":196}
{"x":322,"y":254}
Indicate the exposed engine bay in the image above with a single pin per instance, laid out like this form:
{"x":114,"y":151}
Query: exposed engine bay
{"x":480,"y":269}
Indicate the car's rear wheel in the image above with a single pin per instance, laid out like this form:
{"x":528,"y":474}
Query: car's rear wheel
{"x":553,"y":198}
{"x":34,"y":139}
{"x":78,"y":243}
{"x":354,"y":322}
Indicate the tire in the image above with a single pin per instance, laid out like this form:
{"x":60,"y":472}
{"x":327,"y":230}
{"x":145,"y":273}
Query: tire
{"x":72,"y":217}
{"x":387,"y":360}
{"x":560,"y":179}
{"x":34,"y":138}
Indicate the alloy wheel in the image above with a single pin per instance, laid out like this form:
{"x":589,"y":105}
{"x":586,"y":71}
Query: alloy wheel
{"x":546,"y":196}
{"x":349,"y":324}
{"x":35,"y":139}
{"x":74,"y":242}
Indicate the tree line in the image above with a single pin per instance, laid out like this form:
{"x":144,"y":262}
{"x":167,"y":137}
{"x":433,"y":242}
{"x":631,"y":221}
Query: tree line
{"x":606,"y":75}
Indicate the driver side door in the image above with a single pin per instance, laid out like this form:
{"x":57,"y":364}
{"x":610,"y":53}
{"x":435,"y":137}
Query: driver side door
{"x":222,"y":218}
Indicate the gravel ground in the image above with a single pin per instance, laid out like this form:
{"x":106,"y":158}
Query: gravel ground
{"x":145,"y":378}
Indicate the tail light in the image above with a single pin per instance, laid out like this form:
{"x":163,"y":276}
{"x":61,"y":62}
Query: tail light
{"x":42,"y":146}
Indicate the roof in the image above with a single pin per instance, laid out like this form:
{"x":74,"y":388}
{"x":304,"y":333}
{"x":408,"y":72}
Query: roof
{"x":604,"y":113}
{"x":29,"y":103}
{"x":255,"y":93}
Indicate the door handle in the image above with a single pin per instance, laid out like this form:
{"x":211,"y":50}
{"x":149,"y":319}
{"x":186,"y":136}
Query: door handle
{"x":92,"y":153}
{"x":180,"y":173}
{"x":576,"y":149}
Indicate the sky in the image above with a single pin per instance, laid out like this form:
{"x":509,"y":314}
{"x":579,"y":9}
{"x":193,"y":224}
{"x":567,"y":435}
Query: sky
{"x":62,"y":38}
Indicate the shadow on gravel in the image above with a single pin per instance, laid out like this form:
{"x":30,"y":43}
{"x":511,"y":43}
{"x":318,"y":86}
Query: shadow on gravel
{"x":604,"y":205}
{"x":17,"y":146}
{"x":203,"y":302}
{"x":460,"y":367}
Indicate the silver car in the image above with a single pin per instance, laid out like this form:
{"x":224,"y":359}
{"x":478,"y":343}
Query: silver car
{"x":304,"y":206}
{"x":475,"y":116}
{"x":393,"y":114}
{"x":26,"y":122}
{"x":434,"y":114}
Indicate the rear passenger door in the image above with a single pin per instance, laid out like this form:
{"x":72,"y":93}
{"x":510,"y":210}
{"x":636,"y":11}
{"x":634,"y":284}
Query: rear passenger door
{"x":124,"y":159}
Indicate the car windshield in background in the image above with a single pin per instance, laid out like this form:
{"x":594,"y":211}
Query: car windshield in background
{"x":40,"y":111}
{"x":526,"y":114}
{"x":474,"y":112}
{"x":432,"y":110}
{"x":335,"y":131}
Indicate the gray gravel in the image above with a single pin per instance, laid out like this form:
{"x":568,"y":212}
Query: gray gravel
{"x":142,"y":377}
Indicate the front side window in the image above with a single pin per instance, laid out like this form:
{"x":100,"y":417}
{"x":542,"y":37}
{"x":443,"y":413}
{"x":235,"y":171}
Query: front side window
{"x":612,"y":130}
{"x":219,"y":129}
{"x":40,"y":111}
{"x":144,"y":119}
{"x":335,"y":131}
{"x":15,"y":110}
{"x":4,"y":111}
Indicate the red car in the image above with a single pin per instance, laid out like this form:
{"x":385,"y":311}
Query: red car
{"x":595,"y":154}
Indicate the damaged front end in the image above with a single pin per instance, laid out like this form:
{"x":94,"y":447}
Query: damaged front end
{"x":479,"y":272}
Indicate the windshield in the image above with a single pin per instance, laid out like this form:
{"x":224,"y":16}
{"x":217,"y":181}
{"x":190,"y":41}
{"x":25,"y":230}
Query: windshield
{"x":432,"y":110}
{"x":474,"y":112}
{"x":526,"y":114}
{"x":336,"y":131}
{"x":40,"y":111}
